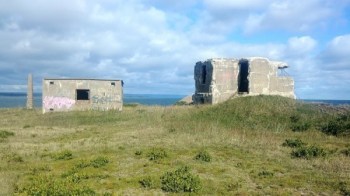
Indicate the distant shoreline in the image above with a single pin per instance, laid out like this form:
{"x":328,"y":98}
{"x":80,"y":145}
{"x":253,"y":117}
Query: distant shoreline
{"x":18,"y":99}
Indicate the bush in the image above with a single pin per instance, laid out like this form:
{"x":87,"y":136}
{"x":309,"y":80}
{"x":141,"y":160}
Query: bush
{"x":338,"y":126}
{"x":265,"y":173}
{"x":147,"y":182}
{"x":99,"y":162}
{"x":203,"y":156}
{"x":181,"y":180}
{"x":346,"y":152}
{"x":63,"y":155}
{"x":138,"y":152}
{"x":49,"y":185}
{"x":82,"y":164}
{"x":180,"y":103}
{"x":293,"y":143}
{"x":14,"y":158}
{"x":157,"y":154}
{"x":300,"y":126}
{"x":344,"y":188}
{"x":297,"y":125}
{"x":96,"y":163}
{"x":5,"y":134}
{"x":294,"y":118}
{"x":309,"y":152}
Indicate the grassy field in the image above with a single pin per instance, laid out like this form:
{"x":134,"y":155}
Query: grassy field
{"x":246,"y":146}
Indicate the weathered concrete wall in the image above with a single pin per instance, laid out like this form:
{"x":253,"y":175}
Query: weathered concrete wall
{"x":61,"y":95}
{"x":224,"y":83}
{"x":215,"y":80}
{"x":224,"y":76}
{"x":260,"y":73}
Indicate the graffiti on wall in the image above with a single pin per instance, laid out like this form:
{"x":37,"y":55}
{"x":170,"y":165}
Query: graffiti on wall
{"x":105,"y":99}
{"x":105,"y":102}
{"x":57,"y":102}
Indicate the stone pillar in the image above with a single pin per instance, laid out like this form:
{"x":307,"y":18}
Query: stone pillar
{"x":30,"y":92}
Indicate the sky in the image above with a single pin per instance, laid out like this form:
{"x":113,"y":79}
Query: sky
{"x":153,"y":45}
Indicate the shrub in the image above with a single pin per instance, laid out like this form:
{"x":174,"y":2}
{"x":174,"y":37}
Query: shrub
{"x":156,"y":154}
{"x":132,"y":105}
{"x":344,"y":188}
{"x":82,"y":164}
{"x":346,"y":152}
{"x":203,"y":156}
{"x":300,"y":126}
{"x":179,"y":103}
{"x":138,"y":152}
{"x":63,"y":155}
{"x":293,"y":143}
{"x":5,"y":134}
{"x":49,"y":185}
{"x":181,"y":180}
{"x":14,"y":158}
{"x":265,"y":173}
{"x":338,"y":126}
{"x":294,"y":118}
{"x":99,"y":162}
{"x":309,"y":152}
{"x":147,"y":182}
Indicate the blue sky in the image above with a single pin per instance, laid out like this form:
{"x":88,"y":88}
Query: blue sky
{"x":153,"y":45}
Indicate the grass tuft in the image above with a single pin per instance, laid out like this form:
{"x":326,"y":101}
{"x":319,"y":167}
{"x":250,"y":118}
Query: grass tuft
{"x":63,"y":155}
{"x":293,"y":143}
{"x":156,"y":154}
{"x":99,"y":162}
{"x":5,"y":134}
{"x":203,"y":156}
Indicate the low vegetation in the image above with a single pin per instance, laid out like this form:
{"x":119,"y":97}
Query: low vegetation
{"x":203,"y":156}
{"x":180,"y":180}
{"x":263,"y":145}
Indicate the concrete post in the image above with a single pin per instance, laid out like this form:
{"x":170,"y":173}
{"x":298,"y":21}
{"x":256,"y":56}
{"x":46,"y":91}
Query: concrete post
{"x":30,"y":92}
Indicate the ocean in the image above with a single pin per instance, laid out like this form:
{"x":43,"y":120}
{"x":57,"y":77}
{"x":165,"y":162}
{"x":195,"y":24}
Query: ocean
{"x":15,"y":100}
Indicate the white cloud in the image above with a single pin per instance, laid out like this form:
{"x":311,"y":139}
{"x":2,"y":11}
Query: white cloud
{"x":153,"y":45}
{"x":336,"y":54}
{"x":301,"y":46}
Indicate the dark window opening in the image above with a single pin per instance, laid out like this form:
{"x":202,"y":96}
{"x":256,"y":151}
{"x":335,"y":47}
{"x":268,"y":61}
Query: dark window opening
{"x":243,"y":83}
{"x":204,"y":74}
{"x":52,"y":82}
{"x":83,"y":94}
{"x":202,"y":101}
{"x":113,"y":83}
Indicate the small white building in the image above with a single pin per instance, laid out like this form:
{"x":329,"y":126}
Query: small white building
{"x":81,"y":94}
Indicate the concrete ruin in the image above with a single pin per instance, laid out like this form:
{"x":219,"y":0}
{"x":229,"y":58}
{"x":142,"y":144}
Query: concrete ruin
{"x":81,"y":94}
{"x":30,"y":102}
{"x":217,"y":80}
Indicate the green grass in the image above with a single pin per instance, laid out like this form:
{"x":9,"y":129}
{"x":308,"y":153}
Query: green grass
{"x":236,"y":147}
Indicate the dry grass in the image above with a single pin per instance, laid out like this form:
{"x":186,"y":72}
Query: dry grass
{"x":244,"y":138}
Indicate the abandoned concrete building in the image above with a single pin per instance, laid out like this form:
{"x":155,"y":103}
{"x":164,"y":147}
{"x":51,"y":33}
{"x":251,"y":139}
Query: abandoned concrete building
{"x":217,"y":80}
{"x":81,"y":94}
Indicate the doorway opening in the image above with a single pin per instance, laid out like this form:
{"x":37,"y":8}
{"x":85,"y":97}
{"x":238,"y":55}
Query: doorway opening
{"x":204,"y":74}
{"x":243,"y":82}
